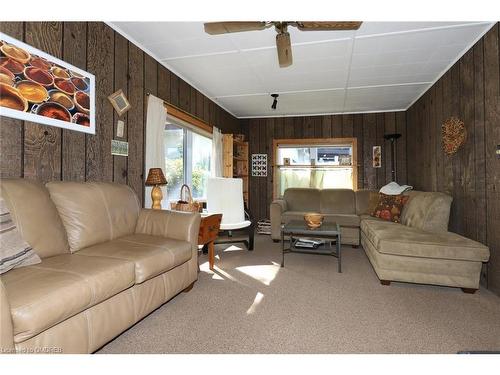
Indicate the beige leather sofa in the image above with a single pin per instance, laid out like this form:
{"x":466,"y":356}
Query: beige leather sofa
{"x":418,"y":250}
{"x":338,"y":205}
{"x":106,"y":263}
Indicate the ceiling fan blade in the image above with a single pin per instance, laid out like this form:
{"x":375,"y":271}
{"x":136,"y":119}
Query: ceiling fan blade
{"x":328,"y":25}
{"x":215,"y":28}
{"x":284,"y":47}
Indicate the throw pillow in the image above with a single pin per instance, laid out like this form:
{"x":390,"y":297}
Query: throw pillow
{"x":14,"y":251}
{"x":389,"y":207}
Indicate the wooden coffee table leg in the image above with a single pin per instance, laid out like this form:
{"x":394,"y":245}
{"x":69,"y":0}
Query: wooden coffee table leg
{"x":211,"y":255}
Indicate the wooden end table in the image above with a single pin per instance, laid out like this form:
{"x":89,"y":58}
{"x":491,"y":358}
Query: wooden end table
{"x":209,"y":230}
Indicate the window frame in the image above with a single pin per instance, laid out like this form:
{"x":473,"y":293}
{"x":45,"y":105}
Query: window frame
{"x":314,"y":142}
{"x":188,"y":128}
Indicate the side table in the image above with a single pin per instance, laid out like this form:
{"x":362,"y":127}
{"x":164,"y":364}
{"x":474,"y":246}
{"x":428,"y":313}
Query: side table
{"x":209,"y":230}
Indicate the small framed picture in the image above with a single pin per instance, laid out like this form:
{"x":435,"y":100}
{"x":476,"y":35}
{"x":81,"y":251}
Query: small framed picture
{"x":119,"y":148}
{"x":345,"y":160}
{"x":119,"y":102}
{"x":286,"y":161}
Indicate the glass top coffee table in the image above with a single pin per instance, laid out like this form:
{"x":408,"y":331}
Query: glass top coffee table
{"x":327,"y":231}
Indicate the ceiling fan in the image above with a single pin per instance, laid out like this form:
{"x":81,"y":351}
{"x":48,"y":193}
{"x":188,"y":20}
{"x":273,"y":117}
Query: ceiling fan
{"x":283,"y":43}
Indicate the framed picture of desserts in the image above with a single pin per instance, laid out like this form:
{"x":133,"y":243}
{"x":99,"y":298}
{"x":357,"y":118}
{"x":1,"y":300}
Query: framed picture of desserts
{"x":38,"y":87}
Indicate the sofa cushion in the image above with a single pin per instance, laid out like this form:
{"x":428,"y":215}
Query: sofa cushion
{"x":106,"y":277}
{"x":337,"y":201}
{"x":152,"y":255}
{"x":43,"y":295}
{"x":302,"y":199}
{"x":398,"y":239}
{"x":41,"y":298}
{"x":429,"y":211}
{"x":343,"y":220}
{"x":94,"y":212}
{"x":35,"y":215}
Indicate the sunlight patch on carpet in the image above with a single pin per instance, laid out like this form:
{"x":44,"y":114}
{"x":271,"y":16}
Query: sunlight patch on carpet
{"x":258,"y":299}
{"x":233,"y":248}
{"x":263,"y":273}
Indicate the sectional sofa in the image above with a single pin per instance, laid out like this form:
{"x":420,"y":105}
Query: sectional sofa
{"x":106,"y":263}
{"x":420,"y":249}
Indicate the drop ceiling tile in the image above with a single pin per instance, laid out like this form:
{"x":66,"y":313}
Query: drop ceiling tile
{"x":288,"y":104}
{"x":392,"y":80}
{"x":298,"y":36}
{"x":429,"y":39}
{"x":150,"y":33}
{"x":241,"y":69}
{"x":385,"y":71}
{"x":191,"y":47}
{"x":222,"y":80}
{"x":370,"y":28}
{"x":267,"y":38}
{"x":378,"y":98}
{"x":389,"y":58}
{"x":252,"y":39}
{"x":333,"y":79}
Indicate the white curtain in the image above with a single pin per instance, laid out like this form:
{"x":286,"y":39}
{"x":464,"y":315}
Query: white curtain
{"x":217,"y":153}
{"x":155,"y":146}
{"x":338,"y":178}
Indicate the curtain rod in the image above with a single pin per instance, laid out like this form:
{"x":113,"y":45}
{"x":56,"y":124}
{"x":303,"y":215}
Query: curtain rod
{"x":167,"y":104}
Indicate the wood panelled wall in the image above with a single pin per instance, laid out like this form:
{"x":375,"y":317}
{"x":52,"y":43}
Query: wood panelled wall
{"x":470,"y":90}
{"x":368,"y":128}
{"x":48,"y":153}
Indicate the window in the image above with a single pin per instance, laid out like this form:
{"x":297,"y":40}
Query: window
{"x":315,"y":163}
{"x":187,"y":159}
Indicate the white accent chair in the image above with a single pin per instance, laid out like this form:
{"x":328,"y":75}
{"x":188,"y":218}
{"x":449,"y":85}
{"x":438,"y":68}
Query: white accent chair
{"x":225,"y":196}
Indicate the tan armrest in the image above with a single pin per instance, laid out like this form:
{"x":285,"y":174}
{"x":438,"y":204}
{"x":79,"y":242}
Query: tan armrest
{"x":6,"y":328}
{"x":278,"y":206}
{"x":279,"y":203}
{"x":182,"y":226}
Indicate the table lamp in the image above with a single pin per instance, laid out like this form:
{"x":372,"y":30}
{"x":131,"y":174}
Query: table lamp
{"x":156,"y":178}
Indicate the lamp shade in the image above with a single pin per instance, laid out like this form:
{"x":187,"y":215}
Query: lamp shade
{"x":156,"y":177}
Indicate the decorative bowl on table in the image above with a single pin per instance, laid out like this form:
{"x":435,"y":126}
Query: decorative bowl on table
{"x":313,"y":220}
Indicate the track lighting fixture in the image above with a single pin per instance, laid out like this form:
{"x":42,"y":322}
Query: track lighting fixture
{"x":275,"y":101}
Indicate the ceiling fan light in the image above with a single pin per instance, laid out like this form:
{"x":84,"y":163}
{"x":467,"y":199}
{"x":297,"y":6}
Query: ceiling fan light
{"x":284,"y":47}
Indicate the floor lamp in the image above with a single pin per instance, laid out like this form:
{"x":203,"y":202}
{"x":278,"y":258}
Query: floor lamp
{"x":393,"y":137}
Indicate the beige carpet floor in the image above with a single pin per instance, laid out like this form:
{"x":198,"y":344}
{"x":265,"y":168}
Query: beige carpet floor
{"x":251,"y":305}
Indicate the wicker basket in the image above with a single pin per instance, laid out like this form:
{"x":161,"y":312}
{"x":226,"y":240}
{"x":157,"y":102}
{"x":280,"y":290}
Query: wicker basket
{"x":186,"y":203}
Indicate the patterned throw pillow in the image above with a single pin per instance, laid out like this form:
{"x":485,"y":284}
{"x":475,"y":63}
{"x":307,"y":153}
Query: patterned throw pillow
{"x":389,"y":207}
{"x":14,"y":251}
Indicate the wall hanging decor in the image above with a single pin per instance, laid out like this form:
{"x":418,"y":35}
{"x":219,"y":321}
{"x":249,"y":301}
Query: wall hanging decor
{"x":38,"y":87}
{"x":454,"y":135}
{"x":119,"y":148}
{"x":377,"y":157}
{"x":259,"y":165}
